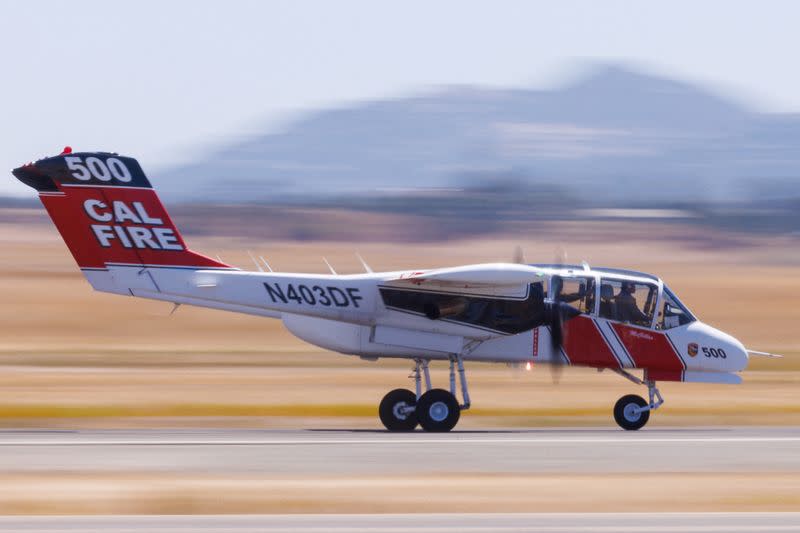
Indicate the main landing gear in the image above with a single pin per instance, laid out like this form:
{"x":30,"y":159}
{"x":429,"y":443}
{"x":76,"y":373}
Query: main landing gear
{"x":434,"y":410}
{"x":631,"y":411}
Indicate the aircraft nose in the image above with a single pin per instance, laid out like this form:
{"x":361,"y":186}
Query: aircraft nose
{"x":736,"y":354}
{"x":742,"y":358}
{"x":715,"y":350}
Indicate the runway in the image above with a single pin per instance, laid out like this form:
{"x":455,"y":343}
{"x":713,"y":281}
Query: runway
{"x":416,"y":523}
{"x":323,"y":452}
{"x":286,"y":473}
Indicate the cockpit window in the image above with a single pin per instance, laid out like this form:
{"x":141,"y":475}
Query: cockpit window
{"x":673,"y":313}
{"x":628,"y":301}
{"x":578,"y":292}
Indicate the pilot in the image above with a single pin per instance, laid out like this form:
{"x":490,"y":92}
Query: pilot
{"x":627,"y":310}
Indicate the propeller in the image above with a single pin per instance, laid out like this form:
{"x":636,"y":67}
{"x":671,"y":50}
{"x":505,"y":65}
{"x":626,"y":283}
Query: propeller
{"x":556,"y":314}
{"x":519,"y":256}
{"x":561,"y":255}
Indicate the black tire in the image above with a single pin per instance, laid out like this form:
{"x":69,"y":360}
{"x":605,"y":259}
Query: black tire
{"x":625,"y":418}
{"x":438,"y":410}
{"x":391,"y":410}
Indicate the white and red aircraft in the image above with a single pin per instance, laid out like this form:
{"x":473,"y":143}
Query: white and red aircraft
{"x":621,"y":320}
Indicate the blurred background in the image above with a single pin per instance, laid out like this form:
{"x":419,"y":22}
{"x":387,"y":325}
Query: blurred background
{"x":663,"y":137}
{"x":466,"y":116}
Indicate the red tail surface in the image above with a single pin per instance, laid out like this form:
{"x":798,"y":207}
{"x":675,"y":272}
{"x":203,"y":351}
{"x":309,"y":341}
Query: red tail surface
{"x":108,"y":213}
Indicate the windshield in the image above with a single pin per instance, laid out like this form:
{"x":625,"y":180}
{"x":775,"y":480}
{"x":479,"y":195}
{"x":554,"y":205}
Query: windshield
{"x":673,"y":313}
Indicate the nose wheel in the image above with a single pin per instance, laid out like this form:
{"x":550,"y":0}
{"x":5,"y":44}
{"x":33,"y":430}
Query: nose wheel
{"x":435,"y":410}
{"x":632,"y":412}
{"x":628,"y":412}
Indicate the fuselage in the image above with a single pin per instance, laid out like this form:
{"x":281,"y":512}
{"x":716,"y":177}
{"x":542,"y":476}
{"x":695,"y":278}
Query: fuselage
{"x":376,"y":315}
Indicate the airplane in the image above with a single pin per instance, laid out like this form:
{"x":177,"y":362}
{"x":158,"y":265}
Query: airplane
{"x":611,"y":319}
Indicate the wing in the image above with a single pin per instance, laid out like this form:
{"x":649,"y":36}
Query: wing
{"x":490,"y":275}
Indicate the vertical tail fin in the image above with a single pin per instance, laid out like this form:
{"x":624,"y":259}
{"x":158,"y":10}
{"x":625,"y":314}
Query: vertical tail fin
{"x":108,"y":213}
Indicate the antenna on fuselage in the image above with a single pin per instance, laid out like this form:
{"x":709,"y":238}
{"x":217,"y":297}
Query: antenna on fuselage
{"x":364,"y":263}
{"x":329,"y":266}
{"x":265,"y":263}
{"x":254,"y":261}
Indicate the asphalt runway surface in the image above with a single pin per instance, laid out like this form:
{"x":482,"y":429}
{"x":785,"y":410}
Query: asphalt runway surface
{"x":416,"y":523}
{"x":331,"y":452}
{"x":345,"y":454}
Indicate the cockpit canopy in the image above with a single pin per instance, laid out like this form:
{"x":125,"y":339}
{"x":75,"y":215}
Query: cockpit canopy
{"x":622,"y":296}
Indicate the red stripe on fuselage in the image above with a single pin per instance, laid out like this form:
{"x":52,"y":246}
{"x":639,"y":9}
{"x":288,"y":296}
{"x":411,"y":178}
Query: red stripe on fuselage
{"x":585,"y":345}
{"x":648,"y":348}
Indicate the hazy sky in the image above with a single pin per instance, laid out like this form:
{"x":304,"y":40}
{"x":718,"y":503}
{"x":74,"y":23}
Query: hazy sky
{"x":160,"y":80}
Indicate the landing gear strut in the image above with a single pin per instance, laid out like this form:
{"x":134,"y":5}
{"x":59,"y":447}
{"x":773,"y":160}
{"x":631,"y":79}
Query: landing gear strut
{"x":435,"y":409}
{"x":632,"y":412}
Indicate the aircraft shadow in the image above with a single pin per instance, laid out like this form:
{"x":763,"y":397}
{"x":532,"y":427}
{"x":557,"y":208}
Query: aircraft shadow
{"x":529,"y":431}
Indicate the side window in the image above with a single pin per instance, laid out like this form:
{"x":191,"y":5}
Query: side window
{"x":500,"y":314}
{"x":579,"y":293}
{"x":628,"y":301}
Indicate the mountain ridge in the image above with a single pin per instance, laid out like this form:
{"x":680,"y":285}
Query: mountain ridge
{"x":610,"y":135}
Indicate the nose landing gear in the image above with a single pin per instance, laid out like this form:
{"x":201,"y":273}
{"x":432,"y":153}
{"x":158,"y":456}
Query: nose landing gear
{"x":632,"y":412}
{"x":436,"y":410}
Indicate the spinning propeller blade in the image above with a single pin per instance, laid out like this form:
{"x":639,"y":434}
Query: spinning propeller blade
{"x":557,"y":314}
{"x":519,"y":256}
